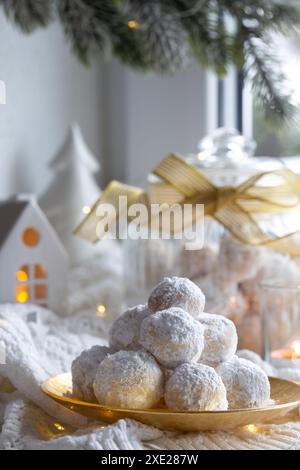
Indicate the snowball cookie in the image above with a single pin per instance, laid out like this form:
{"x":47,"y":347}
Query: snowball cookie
{"x":84,"y":369}
{"x":195,"y":387}
{"x":220,"y":339}
{"x":247,"y":385}
{"x":256,"y":359}
{"x":173,"y":337}
{"x":125,"y":331}
{"x":167,"y":373}
{"x":129,"y":379}
{"x":177,"y":292}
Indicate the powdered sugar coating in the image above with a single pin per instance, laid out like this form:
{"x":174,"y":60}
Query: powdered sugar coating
{"x":177,"y":292}
{"x":173,"y":337}
{"x":84,"y":369}
{"x":125,"y":331}
{"x":195,"y":387}
{"x":129,"y":379}
{"x":167,"y":373}
{"x":220,"y":339}
{"x":247,"y":385}
{"x":256,"y":359}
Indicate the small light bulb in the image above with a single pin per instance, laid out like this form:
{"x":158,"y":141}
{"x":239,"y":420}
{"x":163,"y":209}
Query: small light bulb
{"x":132,"y":24}
{"x":252,"y":428}
{"x":59,"y":427}
{"x":86,"y":210}
{"x":101,"y":310}
{"x":201,"y":156}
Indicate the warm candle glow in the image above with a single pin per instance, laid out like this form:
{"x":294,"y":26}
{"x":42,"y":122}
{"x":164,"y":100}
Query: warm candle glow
{"x":22,"y":276}
{"x":295,"y":347}
{"x":291,"y":352}
{"x":22,"y":296}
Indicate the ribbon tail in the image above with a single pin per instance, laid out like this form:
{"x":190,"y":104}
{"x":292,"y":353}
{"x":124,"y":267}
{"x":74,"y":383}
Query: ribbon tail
{"x":289,"y":244}
{"x":275,"y":198}
{"x":241,"y":224}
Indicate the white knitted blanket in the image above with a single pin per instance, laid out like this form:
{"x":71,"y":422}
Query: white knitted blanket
{"x":36,"y":343}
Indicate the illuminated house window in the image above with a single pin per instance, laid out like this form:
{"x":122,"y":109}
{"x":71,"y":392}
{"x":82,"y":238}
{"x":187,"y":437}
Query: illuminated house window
{"x":32,"y":284}
{"x":31,"y":236}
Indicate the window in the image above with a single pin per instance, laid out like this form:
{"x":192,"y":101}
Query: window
{"x":282,"y":141}
{"x":234,"y":108}
{"x":32,"y":284}
{"x":30,"y":237}
{"x":229,"y":103}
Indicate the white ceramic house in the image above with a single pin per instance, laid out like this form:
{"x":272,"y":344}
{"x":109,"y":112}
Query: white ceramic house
{"x":33,"y":262}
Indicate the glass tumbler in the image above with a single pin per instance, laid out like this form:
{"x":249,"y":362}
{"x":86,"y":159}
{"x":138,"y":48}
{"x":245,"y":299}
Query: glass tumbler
{"x":280,"y":307}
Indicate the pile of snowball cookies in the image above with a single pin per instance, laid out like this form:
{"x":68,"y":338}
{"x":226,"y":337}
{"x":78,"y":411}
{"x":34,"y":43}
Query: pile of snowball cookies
{"x":169,"y":351}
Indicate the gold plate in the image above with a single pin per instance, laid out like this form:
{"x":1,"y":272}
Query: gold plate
{"x":285,"y":396}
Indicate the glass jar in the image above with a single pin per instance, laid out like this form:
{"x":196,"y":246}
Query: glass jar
{"x":227,"y":270}
{"x":280,"y":304}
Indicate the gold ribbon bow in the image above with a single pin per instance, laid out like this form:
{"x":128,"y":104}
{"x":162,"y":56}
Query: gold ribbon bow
{"x":237,"y":208}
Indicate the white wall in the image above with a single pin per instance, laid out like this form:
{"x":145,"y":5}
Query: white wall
{"x":46,"y":89}
{"x":148,"y":116}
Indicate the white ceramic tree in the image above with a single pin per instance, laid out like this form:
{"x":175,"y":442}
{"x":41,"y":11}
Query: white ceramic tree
{"x":72,"y":190}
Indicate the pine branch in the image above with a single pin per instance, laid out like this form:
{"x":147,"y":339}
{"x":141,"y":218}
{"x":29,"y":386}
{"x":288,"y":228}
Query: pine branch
{"x":124,"y":39}
{"x":268,"y":83}
{"x":99,"y":26}
{"x":164,"y":42}
{"x":266,"y":15}
{"x":252,"y":52}
{"x":223,"y":41}
{"x":85,"y":32}
{"x":282,"y":16}
{"x":28,"y":14}
{"x":209,"y":39}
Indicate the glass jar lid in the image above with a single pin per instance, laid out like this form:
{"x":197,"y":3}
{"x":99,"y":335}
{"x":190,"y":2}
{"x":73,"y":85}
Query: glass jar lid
{"x":226,"y":157}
